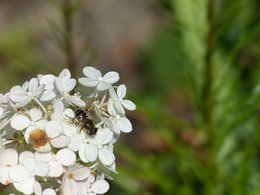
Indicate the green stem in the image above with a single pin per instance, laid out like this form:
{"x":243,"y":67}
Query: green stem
{"x":209,"y":68}
{"x":68,"y":13}
{"x":208,"y":101}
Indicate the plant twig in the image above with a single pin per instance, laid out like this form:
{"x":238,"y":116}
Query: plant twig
{"x":208,"y":67}
{"x":68,"y":13}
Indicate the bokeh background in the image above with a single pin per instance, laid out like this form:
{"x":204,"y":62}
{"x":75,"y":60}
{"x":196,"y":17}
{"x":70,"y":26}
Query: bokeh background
{"x":191,"y":66}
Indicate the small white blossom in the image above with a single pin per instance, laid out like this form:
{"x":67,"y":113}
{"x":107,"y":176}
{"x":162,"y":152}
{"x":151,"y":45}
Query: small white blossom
{"x":60,"y":123}
{"x":94,"y":78}
{"x":96,"y":185}
{"x":65,"y":84}
{"x":25,"y":94}
{"x":72,"y":179}
{"x":98,"y":147}
{"x":118,"y":100}
{"x":20,"y":122}
{"x":49,"y":87}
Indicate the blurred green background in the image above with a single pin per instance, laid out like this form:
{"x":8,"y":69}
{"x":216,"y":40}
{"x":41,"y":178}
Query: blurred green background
{"x":191,"y":66}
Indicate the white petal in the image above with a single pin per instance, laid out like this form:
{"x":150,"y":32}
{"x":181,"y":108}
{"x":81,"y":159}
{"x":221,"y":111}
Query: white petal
{"x":68,"y":114}
{"x":113,"y":94}
{"x":18,"y":96}
{"x":59,"y":86}
{"x":108,"y":122}
{"x":119,"y":108}
{"x":88,"y":82}
{"x":18,"y":173}
{"x":58,"y":106}
{"x":69,"y":187}
{"x":102,"y":86}
{"x":129,"y":105}
{"x":82,"y":153}
{"x":23,"y":103}
{"x":90,"y":180}
{"x":69,"y":85}
{"x":110,"y":107}
{"x":29,"y":163}
{"x":4,"y":175}
{"x":82,"y":188}
{"x":56,"y":169}
{"x":53,"y":129}
{"x":106,"y":156}
{"x":41,"y":169}
{"x":38,"y":91}
{"x":24,"y":155}
{"x":25,"y":85}
{"x":20,"y":122}
{"x":44,"y":149}
{"x":75,"y":143}
{"x":49,"y":192}
{"x":60,"y":142}
{"x":26,"y":186}
{"x":33,"y":84}
{"x":41,"y":124}
{"x":103,"y":136}
{"x":91,"y":152}
{"x":76,"y":101}
{"x":91,"y":72}
{"x":124,"y":125}
{"x":100,"y":187}
{"x":27,"y":133}
{"x":8,"y":157}
{"x":43,"y":157}
{"x":111,"y":77}
{"x":37,"y":188}
{"x":81,"y":173}
{"x":35,"y":114}
{"x":66,"y":157}
{"x":69,"y":129}
{"x":48,"y":95}
{"x":65,"y":74}
{"x":47,"y":81}
{"x":121,"y":91}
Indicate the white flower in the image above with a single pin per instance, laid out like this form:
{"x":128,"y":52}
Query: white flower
{"x":60,"y":122}
{"x":118,"y":101}
{"x":18,"y":174}
{"x":25,"y":94}
{"x":98,"y":147}
{"x":94,"y":78}
{"x":55,"y":167}
{"x":72,"y":178}
{"x":95,"y":186}
{"x":49,"y":87}
{"x":20,"y":122}
{"x":8,"y":158}
{"x":118,"y":123}
{"x":65,"y":84}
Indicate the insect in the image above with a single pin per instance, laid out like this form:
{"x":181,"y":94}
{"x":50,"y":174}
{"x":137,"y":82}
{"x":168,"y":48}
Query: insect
{"x":84,"y":120}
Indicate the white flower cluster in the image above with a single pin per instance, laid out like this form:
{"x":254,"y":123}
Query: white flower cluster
{"x":56,"y":135}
